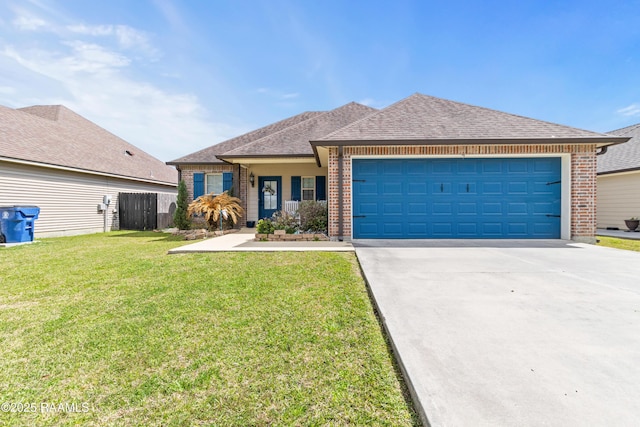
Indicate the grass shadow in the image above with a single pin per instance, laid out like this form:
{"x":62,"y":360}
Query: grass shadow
{"x":157,"y":236}
{"x":407,"y":391}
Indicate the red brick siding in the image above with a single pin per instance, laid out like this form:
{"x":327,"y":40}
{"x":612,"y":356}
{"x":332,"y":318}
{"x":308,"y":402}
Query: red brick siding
{"x":241,"y":193}
{"x":583,"y":194}
{"x":583,"y":176}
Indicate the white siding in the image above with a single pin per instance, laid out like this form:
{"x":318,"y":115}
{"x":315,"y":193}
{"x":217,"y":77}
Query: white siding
{"x":618,"y":199}
{"x":68,"y":200}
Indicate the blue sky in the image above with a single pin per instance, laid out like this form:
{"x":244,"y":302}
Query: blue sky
{"x":172,"y":77}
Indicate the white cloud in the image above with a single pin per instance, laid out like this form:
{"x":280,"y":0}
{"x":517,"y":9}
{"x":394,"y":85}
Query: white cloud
{"x":29,"y":22}
{"x":631,"y":110}
{"x":91,"y":70}
{"x":279,"y":95}
{"x":93,"y":30}
{"x":127,"y":37}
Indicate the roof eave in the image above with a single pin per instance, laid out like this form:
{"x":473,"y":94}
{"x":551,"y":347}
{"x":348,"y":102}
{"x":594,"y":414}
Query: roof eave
{"x":246,"y":158}
{"x":626,"y":170}
{"x":599,"y":141}
{"x":87,"y":171}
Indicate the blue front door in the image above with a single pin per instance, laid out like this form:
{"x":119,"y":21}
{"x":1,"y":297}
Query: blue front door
{"x":270,"y":195}
{"x":503,"y":198}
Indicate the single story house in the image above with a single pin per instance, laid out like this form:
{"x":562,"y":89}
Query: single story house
{"x":619,"y":180}
{"x":423,"y":167}
{"x":53,"y":158}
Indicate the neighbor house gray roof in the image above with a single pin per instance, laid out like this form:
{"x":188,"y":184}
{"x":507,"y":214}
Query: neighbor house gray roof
{"x":208,"y":155}
{"x":623,"y":157}
{"x":54,"y":135}
{"x":422,"y":118}
{"x":294,"y":140}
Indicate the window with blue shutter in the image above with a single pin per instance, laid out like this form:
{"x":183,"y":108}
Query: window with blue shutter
{"x":227,"y":181}
{"x":198,"y":185}
{"x":321,"y":188}
{"x":296,"y":188}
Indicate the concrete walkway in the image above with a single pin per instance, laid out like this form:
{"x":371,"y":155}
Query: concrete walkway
{"x":243,"y":241}
{"x":502,"y":333}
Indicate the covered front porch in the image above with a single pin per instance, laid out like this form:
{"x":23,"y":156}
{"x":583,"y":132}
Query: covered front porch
{"x":272,"y":187}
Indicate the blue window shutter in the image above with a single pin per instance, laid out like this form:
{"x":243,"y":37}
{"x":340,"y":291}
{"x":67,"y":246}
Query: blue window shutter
{"x":296,"y":188}
{"x":321,"y":188}
{"x":198,"y":185}
{"x":227,"y":181}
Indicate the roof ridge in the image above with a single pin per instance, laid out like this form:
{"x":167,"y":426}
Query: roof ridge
{"x":299,"y":124}
{"x":504,"y":112}
{"x":625,"y":129}
{"x":238,"y":138}
{"x":37,"y":110}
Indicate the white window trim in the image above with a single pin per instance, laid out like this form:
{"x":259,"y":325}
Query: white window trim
{"x":206,"y":186}
{"x":302,"y":187}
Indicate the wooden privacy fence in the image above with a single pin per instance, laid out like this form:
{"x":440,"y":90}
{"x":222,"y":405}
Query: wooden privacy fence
{"x":138,"y":211}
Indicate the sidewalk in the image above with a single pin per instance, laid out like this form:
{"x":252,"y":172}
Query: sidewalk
{"x":243,"y":241}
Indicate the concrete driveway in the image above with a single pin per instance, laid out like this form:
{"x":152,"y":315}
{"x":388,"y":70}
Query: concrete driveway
{"x":512,"y":332}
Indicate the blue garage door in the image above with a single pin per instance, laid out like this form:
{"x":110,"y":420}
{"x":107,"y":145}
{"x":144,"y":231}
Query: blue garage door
{"x":515,"y":198}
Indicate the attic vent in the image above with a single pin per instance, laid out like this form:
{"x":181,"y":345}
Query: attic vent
{"x":128,"y":153}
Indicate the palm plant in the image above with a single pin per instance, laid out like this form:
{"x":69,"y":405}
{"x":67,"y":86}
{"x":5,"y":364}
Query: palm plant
{"x":217,"y":209}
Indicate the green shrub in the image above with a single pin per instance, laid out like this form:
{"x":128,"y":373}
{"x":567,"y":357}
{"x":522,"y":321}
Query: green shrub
{"x":180,"y":217}
{"x":314,"y":216}
{"x":283,"y":220}
{"x":265,"y":226}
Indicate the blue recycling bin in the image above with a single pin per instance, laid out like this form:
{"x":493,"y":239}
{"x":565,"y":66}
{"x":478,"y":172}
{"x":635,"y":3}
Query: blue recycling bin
{"x":17,"y":223}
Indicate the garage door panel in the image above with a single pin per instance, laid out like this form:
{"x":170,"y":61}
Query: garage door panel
{"x":442,"y":209}
{"x":467,"y":168}
{"x":440,"y":167}
{"x":392,"y":188}
{"x":367,"y":189}
{"x":442,"y":229}
{"x":467,"y":229}
{"x":441,"y":188}
{"x":467,"y":209}
{"x":490,"y":229}
{"x":390,"y":208}
{"x":417,"y":229}
{"x":417,"y":208}
{"x":517,"y":208}
{"x":517,"y":187}
{"x":492,"y":208}
{"x":456,"y":198}
{"x":491,"y":187}
{"x":393,"y":167}
{"x":417,"y":188}
{"x":518,"y":166}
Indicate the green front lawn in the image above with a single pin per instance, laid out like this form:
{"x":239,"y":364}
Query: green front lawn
{"x":132,"y":336}
{"x":612,"y":242}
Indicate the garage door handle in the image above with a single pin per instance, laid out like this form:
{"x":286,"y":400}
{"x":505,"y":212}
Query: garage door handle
{"x":358,"y":180}
{"x":554,"y":216}
{"x":554,"y":182}
{"x":359,"y":216}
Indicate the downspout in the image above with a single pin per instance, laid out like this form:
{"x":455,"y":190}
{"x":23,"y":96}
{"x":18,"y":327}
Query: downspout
{"x":340,"y":202}
{"x":602,"y":150}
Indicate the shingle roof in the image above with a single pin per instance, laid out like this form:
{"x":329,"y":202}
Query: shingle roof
{"x":294,"y":140}
{"x":55,"y":135}
{"x":208,"y":155}
{"x":422,"y":117}
{"x":623,"y":156}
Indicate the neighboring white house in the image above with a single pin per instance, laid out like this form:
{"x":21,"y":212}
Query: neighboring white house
{"x":53,"y":158}
{"x":619,"y":181}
